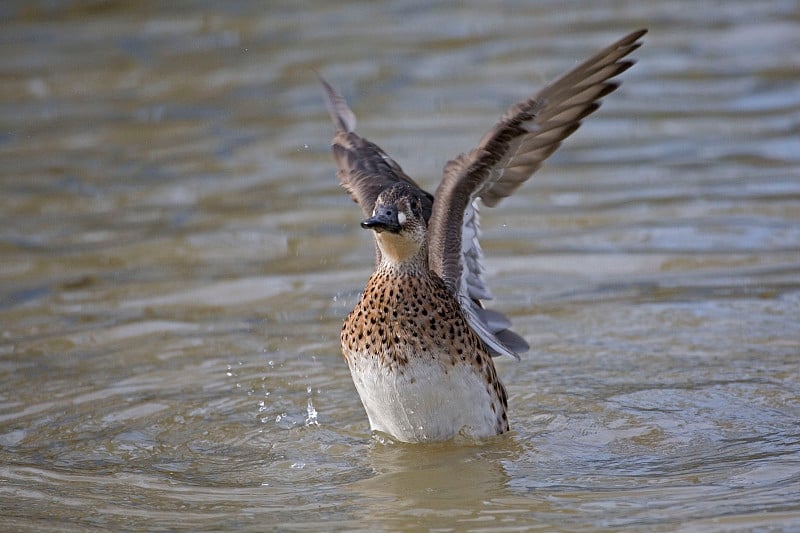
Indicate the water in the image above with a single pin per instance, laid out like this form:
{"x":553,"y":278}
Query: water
{"x":177,"y":259}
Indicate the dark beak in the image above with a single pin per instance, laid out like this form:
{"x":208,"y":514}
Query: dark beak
{"x":384,"y":219}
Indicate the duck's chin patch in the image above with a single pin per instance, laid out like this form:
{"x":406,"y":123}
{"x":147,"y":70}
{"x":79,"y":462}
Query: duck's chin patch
{"x":396,"y":247}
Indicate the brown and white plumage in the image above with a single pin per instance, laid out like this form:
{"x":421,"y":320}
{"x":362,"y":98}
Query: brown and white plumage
{"x":446,"y":226}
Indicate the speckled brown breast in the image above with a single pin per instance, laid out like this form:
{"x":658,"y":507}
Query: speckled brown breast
{"x":409,"y":318}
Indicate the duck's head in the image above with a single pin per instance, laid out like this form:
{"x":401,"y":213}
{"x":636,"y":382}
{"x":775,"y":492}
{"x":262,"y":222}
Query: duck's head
{"x":399,"y":224}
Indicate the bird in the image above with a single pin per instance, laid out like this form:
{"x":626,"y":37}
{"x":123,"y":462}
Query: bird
{"x":420,"y":342}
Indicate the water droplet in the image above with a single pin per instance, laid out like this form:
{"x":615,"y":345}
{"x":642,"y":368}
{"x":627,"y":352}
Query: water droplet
{"x":311,"y":414}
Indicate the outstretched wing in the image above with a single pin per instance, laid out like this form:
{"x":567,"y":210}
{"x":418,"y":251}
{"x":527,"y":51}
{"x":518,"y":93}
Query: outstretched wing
{"x":364,"y":169}
{"x":506,"y":157}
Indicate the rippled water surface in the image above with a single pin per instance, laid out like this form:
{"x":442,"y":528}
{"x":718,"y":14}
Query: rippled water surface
{"x":177,"y":259}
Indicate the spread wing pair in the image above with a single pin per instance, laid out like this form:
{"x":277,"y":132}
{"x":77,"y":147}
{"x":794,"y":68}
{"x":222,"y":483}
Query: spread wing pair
{"x":528,"y":133}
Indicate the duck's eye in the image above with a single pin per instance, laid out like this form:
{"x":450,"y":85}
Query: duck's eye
{"x":414,"y":205}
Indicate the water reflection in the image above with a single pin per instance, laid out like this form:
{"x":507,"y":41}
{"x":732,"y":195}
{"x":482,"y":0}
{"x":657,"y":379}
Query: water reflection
{"x":428,"y":482}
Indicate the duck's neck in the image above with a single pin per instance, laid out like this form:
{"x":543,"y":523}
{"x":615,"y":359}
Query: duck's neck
{"x":401,"y":256}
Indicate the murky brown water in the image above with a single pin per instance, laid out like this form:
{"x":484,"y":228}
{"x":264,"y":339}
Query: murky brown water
{"x":177,"y":259}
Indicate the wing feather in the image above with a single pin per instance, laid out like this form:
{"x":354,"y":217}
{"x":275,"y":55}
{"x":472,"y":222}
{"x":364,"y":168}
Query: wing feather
{"x":527,"y":134}
{"x":364,"y":169}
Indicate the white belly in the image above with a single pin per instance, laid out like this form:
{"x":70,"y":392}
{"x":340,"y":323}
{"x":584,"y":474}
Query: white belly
{"x":427,"y":401}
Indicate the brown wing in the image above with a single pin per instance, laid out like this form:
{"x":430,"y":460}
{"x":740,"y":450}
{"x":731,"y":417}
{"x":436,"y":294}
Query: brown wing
{"x":364,"y":169}
{"x":506,"y":157}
